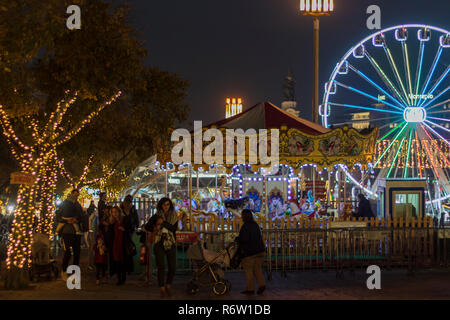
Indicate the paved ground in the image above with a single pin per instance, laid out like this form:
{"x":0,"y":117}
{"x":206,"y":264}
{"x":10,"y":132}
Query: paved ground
{"x":297,"y":286}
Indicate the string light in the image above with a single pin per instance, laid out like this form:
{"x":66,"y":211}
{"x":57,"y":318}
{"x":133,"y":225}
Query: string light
{"x":40,"y":161}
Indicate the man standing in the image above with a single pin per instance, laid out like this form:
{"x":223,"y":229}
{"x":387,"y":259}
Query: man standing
{"x":101,"y":205}
{"x":71,"y":215}
{"x":364,"y":208}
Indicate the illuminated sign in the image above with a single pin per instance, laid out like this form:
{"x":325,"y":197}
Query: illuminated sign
{"x":174,"y":181}
{"x":414,"y":114}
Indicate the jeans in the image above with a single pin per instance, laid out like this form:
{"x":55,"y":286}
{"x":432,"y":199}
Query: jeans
{"x":71,"y":241}
{"x":253,"y":269}
{"x":171,"y":255}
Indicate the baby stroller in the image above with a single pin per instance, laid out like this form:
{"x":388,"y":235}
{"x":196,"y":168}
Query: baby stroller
{"x":42,"y":261}
{"x":208,"y":268}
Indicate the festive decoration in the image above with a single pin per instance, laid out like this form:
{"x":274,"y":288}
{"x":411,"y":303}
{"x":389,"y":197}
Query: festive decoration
{"x":37,"y":158}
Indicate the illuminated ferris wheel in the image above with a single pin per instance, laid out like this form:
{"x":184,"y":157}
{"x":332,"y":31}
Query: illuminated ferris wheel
{"x":397,"y":80}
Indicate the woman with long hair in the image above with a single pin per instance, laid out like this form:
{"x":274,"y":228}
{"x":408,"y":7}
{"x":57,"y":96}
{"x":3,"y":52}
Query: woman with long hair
{"x":252,"y":250}
{"x":165,"y":244}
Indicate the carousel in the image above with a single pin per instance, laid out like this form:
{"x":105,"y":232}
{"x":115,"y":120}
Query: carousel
{"x":307,"y":181}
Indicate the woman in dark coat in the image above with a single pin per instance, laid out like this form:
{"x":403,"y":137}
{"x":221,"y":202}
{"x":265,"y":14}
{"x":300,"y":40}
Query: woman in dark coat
{"x":252,"y":250}
{"x":122,"y":255}
{"x":166,"y":222}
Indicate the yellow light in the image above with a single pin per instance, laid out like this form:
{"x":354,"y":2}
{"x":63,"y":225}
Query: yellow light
{"x":239,"y":101}
{"x":228,"y":101}
{"x":316,"y":7}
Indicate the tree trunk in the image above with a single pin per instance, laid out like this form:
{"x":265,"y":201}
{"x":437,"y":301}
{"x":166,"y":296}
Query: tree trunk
{"x":47,"y":189}
{"x":20,"y":240}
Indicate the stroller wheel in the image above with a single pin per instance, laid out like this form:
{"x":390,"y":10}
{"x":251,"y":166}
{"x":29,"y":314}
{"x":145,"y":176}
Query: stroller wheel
{"x":192,"y":287}
{"x":220,"y":288}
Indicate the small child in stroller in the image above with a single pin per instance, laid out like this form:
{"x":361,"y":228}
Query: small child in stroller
{"x":208,"y":268}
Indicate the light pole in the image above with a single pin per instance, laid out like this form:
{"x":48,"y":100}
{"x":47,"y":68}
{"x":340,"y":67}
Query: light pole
{"x":316,"y":8}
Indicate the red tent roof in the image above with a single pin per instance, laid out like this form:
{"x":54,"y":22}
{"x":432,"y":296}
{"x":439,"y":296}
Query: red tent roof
{"x":268,"y":116}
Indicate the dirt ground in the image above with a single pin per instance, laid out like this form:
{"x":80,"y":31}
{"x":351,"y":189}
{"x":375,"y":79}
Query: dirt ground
{"x":319,"y":285}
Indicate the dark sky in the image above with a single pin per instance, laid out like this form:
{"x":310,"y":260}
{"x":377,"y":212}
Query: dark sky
{"x":244,"y":48}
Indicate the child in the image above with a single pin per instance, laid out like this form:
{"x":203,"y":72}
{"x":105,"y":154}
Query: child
{"x":100,"y":257}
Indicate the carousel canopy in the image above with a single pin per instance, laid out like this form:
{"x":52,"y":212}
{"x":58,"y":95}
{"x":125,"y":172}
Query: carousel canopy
{"x":266,"y":115}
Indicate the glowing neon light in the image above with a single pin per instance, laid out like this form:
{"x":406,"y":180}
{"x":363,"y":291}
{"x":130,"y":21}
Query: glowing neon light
{"x":366,"y":95}
{"x":390,"y":145}
{"x":438,"y":82}
{"x":419,"y":68}
{"x":430,"y":74}
{"x":414,"y":114}
{"x":437,"y":125}
{"x":418,"y":155}
{"x":360,"y":107}
{"x":397,"y":74}
{"x":395,"y":158}
{"x":432,"y":130}
{"x":375,"y":85}
{"x":436,"y":97}
{"x":385,"y":78}
{"x":389,"y":133}
{"x":405,"y":174}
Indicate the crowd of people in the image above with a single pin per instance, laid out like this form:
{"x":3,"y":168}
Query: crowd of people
{"x":107,"y":232}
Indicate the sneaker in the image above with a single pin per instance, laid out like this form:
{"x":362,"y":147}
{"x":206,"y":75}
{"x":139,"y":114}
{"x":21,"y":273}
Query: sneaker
{"x":261,"y":290}
{"x":90,"y":268}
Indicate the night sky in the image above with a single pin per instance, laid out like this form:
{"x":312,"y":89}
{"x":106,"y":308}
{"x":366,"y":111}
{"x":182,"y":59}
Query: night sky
{"x":244,"y":48}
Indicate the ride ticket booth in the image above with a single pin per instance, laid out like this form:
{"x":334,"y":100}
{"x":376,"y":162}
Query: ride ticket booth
{"x":401,"y":198}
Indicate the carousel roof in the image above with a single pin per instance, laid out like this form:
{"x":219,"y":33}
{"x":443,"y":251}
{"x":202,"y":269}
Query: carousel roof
{"x":266,"y":115}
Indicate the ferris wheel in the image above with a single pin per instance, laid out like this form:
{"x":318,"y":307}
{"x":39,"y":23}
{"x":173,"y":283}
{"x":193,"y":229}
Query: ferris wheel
{"x":397,"y":80}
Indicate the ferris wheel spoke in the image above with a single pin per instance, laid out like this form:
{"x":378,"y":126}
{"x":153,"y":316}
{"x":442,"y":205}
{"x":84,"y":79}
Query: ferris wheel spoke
{"x":405,"y":173}
{"x":437,"y":134}
{"x":431,"y":72}
{"x":419,"y":165}
{"x":419,"y":69}
{"x":437,"y":105}
{"x":384,"y":77}
{"x":365,"y":77}
{"x":361,"y":107}
{"x":438,"y":125}
{"x":440,"y":119}
{"x":390,"y":132}
{"x":396,"y":156}
{"x":395,"y":71}
{"x":368,"y":96}
{"x":436,"y":97}
{"x":435,"y":144}
{"x":436,"y":85}
{"x":407,"y":68}
{"x":390,"y":145}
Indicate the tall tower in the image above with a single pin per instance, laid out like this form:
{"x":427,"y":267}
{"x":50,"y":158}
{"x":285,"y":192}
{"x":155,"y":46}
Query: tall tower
{"x":290,"y":101}
{"x":233,"y":107}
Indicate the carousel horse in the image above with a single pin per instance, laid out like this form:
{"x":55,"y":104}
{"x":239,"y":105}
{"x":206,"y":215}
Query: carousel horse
{"x":237,"y":205}
{"x":277,"y":208}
